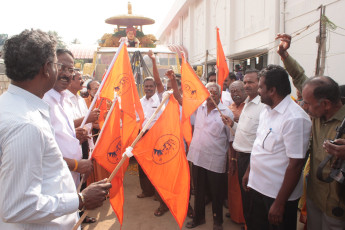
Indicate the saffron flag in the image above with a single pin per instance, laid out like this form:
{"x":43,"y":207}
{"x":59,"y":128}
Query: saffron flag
{"x":121,"y":80}
{"x":222,"y":66}
{"x":194,"y":94}
{"x":161,"y":155}
{"x":114,"y":140}
{"x":108,"y":153}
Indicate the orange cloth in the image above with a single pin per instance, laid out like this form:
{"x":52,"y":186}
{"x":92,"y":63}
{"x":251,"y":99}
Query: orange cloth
{"x":222,"y":66}
{"x":114,"y":140}
{"x":194,"y":94}
{"x":108,"y":153}
{"x":234,"y":190}
{"x":235,"y":199}
{"x":236,"y":110}
{"x":161,"y":155}
{"x":99,"y":173}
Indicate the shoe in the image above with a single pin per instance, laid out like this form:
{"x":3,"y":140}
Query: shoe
{"x":161,"y":210}
{"x":193,"y":224}
{"x":227,"y":215}
{"x":217,"y":227}
{"x":89,"y":220}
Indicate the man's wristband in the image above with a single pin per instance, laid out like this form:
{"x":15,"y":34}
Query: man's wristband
{"x":75,"y":165}
{"x":233,"y":159}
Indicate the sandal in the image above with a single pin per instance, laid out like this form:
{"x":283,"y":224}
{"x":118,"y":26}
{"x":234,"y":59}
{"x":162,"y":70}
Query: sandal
{"x":193,"y":224}
{"x":89,"y":220}
{"x":161,"y":210}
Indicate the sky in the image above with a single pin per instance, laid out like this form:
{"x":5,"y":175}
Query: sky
{"x":84,"y":20}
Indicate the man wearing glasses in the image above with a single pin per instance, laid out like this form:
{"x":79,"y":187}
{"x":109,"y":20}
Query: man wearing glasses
{"x":67,"y":136}
{"x":278,"y":153}
{"x":37,"y":189}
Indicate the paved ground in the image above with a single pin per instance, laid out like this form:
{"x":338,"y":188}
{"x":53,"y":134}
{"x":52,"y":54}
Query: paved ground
{"x":138,"y":213}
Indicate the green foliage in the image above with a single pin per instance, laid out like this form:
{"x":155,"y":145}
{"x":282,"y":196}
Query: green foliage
{"x":60,"y":44}
{"x":140,"y":34}
{"x":121,"y":33}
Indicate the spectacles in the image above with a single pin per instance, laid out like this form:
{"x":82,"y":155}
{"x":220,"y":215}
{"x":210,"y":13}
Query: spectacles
{"x":63,"y":68}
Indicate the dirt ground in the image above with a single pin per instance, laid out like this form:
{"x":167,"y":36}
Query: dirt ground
{"x":138,"y":213}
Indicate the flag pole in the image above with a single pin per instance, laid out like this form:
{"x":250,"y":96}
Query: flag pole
{"x":101,"y":86}
{"x":100,"y":134}
{"x":112,"y":175}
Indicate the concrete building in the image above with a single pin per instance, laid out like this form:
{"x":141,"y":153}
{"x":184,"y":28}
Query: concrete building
{"x":248,"y":28}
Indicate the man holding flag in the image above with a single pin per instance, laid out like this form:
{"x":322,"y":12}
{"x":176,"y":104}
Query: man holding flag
{"x":208,"y":150}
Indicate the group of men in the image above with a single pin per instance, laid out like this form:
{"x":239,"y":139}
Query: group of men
{"x":271,"y":137}
{"x":253,"y":127}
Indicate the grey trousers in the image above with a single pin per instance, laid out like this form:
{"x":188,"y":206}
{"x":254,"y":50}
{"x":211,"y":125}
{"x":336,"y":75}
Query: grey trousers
{"x":318,"y":220}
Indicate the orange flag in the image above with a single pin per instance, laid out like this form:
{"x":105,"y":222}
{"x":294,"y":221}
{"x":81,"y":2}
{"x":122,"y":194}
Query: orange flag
{"x":115,"y":140}
{"x":161,"y":155}
{"x":194,"y":94}
{"x":222,"y":66}
{"x":108,"y":153}
{"x":121,"y":80}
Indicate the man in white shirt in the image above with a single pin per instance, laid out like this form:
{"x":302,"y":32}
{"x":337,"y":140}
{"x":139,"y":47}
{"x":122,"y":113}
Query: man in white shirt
{"x":150,"y":103}
{"x":37,"y":189}
{"x":208,"y":152}
{"x":79,"y":109}
{"x":246,"y":131}
{"x":278,"y":155}
{"x":67,"y":137}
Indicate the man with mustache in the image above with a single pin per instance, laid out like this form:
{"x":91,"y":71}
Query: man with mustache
{"x":37,"y":189}
{"x":277,"y":158}
{"x":79,"y":109}
{"x":150,"y":103}
{"x":246,"y":132}
{"x":67,"y":136}
{"x":321,"y":97}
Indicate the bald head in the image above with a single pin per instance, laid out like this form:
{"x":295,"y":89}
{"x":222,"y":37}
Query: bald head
{"x":324,"y":88}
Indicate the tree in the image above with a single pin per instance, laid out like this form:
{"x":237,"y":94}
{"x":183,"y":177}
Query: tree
{"x":60,"y":43}
{"x":75,"y":41}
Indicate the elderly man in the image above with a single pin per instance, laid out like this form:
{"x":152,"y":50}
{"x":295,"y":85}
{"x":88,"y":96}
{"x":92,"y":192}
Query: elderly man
{"x":238,"y":95}
{"x":278,"y":154}
{"x":325,"y":202}
{"x":234,"y":193}
{"x":67,"y":137}
{"x":226,"y":97}
{"x":208,"y":150}
{"x":37,"y":189}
